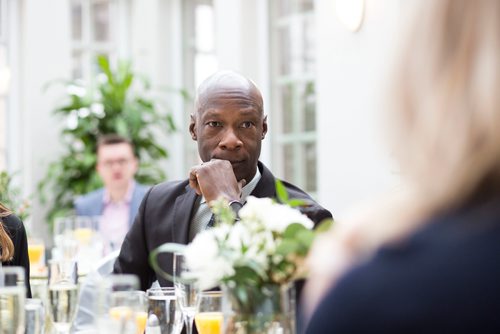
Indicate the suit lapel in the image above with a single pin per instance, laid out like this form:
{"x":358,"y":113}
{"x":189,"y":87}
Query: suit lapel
{"x":265,"y":187}
{"x":182,"y":221}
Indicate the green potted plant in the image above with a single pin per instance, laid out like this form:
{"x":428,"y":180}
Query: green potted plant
{"x":118,"y":102}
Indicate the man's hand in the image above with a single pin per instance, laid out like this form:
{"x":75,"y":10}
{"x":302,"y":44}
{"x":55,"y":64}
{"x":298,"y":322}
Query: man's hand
{"x":215,"y":179}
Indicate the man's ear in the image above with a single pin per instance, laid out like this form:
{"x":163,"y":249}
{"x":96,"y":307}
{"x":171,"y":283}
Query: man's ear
{"x":264,"y":127}
{"x":192,"y":127}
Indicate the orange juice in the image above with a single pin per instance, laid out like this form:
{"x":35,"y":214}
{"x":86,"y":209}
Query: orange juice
{"x":35,"y":252}
{"x":208,"y":322}
{"x":83,"y":235}
{"x":140,"y":321}
{"x":120,"y":312}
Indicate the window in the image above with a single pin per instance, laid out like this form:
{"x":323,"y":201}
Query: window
{"x":4,"y":82}
{"x":199,"y":57}
{"x":293,"y":95}
{"x":94,"y":31}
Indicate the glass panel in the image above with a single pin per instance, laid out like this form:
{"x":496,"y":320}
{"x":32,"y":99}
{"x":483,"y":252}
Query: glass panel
{"x":76,"y":20}
{"x":204,"y":30}
{"x":308,"y":97}
{"x":288,"y":173}
{"x":297,"y":47}
{"x":101,"y":21}
{"x":287,"y":108}
{"x":310,"y":167}
{"x":77,"y":64}
{"x":289,"y":7}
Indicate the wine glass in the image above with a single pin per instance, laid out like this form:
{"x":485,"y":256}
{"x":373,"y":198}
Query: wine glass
{"x":65,"y":244}
{"x":186,"y":291}
{"x":121,"y":307}
{"x":12,"y":299}
{"x":209,"y":318}
{"x":35,"y":316}
{"x":89,"y":242}
{"x":163,"y":303}
{"x":63,"y":293}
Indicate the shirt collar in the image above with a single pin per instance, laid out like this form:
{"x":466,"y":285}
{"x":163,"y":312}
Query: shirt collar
{"x":247,"y":189}
{"x":128,"y":195}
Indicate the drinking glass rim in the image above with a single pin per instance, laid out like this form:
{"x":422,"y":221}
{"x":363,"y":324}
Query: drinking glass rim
{"x":164,"y":290}
{"x":216,"y":293}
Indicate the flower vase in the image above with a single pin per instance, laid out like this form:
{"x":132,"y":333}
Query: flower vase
{"x":268,"y":309}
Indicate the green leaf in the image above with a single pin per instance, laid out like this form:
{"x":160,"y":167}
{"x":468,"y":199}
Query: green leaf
{"x":171,"y":248}
{"x":324,"y":226}
{"x":287,"y":246}
{"x":281,"y":193}
{"x":292,"y":230}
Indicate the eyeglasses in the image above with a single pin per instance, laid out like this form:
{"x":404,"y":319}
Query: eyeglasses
{"x":120,"y":162}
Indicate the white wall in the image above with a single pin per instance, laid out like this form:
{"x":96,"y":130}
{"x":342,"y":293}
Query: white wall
{"x":45,"y":56}
{"x":352,"y":73}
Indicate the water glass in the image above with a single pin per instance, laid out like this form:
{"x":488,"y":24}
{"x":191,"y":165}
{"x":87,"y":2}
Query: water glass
{"x":163,"y":303}
{"x":62,"y":293}
{"x":35,"y":316}
{"x":12,"y":299}
{"x":36,"y":254}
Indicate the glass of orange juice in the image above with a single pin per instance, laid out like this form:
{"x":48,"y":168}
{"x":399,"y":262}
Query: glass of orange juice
{"x":208,"y":319}
{"x":36,"y":254}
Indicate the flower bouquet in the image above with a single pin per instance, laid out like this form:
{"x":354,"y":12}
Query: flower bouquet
{"x":253,"y":258}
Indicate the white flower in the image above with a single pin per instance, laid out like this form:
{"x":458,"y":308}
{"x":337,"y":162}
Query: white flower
{"x":204,"y":260}
{"x":76,"y":90}
{"x":231,"y":250}
{"x":97,"y":109}
{"x":83,"y":112}
{"x":273,"y":216}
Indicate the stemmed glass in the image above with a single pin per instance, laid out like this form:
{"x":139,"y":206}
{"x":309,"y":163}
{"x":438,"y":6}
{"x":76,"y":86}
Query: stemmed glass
{"x":63,"y":293}
{"x":209,"y":317}
{"x":186,"y":291}
{"x":163,"y":303}
{"x":121,"y":307}
{"x":12,"y":298}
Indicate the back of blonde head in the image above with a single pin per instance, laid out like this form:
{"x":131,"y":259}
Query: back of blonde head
{"x":446,"y":101}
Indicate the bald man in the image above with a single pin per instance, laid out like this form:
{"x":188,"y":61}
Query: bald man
{"x":229,"y":124}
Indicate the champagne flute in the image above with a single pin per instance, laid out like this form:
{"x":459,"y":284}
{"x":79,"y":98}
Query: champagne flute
{"x":186,"y":291}
{"x":163,"y":303}
{"x":121,"y":307}
{"x":209,"y":318}
{"x":12,"y":299}
{"x":63,"y":293}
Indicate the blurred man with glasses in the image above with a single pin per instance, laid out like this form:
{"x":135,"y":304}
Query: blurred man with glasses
{"x":118,"y":201}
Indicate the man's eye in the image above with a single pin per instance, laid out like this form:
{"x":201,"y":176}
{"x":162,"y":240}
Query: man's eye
{"x":246,"y":125}
{"x":214,"y":124}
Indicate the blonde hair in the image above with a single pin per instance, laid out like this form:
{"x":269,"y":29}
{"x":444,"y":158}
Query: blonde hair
{"x":6,"y":244}
{"x":446,"y":102}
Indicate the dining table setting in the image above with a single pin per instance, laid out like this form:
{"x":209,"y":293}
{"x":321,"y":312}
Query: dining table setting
{"x":237,"y":277}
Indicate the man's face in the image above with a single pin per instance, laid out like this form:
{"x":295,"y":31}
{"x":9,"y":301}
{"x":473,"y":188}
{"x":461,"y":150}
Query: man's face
{"x":116,"y":164}
{"x":229,"y":127}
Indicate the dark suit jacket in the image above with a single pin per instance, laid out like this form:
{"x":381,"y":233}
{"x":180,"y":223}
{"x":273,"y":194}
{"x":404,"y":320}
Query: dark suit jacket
{"x":91,"y":204}
{"x":165,"y":216}
{"x":15,"y":228}
{"x":443,"y":279}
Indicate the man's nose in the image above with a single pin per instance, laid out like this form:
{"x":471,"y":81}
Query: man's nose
{"x":230,"y":140}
